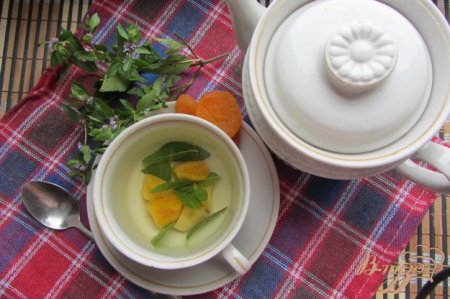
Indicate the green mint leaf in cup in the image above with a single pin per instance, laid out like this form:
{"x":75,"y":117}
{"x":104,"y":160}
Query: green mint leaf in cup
{"x":191,"y":196}
{"x":161,"y":170}
{"x":170,"y":185}
{"x":161,"y":234}
{"x":211,"y":179}
{"x":177,"y":151}
{"x":204,"y":222}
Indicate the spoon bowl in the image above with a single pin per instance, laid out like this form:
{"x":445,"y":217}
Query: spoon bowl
{"x":52,"y":206}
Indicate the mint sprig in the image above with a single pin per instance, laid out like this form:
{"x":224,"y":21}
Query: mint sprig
{"x":121,"y":95}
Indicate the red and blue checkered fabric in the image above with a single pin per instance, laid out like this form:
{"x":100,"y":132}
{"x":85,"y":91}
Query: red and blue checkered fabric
{"x":324,"y":230}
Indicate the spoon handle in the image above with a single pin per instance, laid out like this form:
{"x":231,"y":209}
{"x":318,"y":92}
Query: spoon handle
{"x":85,"y":231}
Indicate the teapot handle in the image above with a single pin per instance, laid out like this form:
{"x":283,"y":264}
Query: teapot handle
{"x":436,"y":155}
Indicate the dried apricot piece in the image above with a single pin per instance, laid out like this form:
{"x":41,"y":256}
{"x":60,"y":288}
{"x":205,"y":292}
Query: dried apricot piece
{"x":220,"y":108}
{"x":165,"y":210}
{"x":208,"y":203}
{"x":189,"y":217}
{"x":185,"y":104}
{"x":192,"y":170}
{"x":150,"y":182}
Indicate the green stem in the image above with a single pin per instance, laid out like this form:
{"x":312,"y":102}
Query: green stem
{"x":183,"y":88}
{"x":187,"y":45}
{"x":201,"y":62}
{"x":85,"y":133}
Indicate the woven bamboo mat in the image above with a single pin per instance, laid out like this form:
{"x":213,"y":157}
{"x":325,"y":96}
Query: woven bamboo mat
{"x":24,"y":24}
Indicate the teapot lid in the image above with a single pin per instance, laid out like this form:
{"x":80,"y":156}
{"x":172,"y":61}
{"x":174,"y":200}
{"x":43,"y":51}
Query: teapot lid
{"x":347,"y":76}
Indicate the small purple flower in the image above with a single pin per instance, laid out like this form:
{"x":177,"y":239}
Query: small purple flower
{"x":113,"y":122}
{"x":52,"y":43}
{"x":135,"y":55}
{"x":79,"y":145}
{"x":129,"y":48}
{"x":81,"y":167}
{"x":126,"y":48}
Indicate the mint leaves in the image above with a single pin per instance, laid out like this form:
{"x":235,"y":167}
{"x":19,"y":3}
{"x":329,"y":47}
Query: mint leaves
{"x":161,"y":234}
{"x":191,"y":193}
{"x":121,"y":96}
{"x":177,"y":151}
{"x":181,"y":166}
{"x":158,"y":163}
{"x":204,"y":222}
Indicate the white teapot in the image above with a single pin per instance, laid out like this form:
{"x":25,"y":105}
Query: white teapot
{"x":347,"y":89}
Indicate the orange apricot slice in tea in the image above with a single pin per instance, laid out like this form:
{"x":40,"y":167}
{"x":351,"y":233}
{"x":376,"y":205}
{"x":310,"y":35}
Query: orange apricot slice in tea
{"x":185,"y":104}
{"x":208,"y":203}
{"x":150,"y":182}
{"x":221,"y":109}
{"x":192,"y":171}
{"x":164,"y":210}
{"x":189,"y":217}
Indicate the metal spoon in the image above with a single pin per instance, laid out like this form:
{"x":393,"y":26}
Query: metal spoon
{"x":53,"y":206}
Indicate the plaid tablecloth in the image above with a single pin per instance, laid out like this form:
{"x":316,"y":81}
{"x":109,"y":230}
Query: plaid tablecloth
{"x":325,"y":229}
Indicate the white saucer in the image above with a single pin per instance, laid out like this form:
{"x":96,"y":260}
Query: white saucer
{"x":215,"y":273}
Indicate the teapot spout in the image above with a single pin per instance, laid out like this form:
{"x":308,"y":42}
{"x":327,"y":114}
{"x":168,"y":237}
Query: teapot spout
{"x":245,"y":15}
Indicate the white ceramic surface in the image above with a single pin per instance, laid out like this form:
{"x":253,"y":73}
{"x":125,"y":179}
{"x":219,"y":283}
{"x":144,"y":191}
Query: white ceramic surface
{"x":316,"y":84}
{"x":251,"y":239}
{"x":120,"y":210}
{"x":397,"y":126}
{"x":360,"y":55}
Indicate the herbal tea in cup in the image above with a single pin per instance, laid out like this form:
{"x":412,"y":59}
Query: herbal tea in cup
{"x":172,"y":191}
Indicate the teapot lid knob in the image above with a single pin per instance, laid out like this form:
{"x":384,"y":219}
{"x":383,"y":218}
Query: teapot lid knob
{"x":359,"y":56}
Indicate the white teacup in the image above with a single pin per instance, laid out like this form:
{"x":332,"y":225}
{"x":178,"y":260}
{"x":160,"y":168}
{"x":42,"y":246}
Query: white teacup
{"x":120,"y":209}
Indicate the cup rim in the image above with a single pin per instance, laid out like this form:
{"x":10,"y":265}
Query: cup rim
{"x":154,"y":259}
